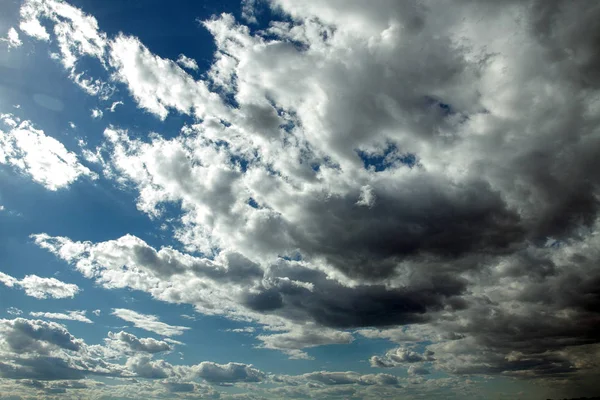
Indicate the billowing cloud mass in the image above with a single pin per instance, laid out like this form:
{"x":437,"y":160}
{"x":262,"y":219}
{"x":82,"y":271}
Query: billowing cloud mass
{"x":41,"y":288}
{"x":349,"y":172}
{"x":32,"y":152}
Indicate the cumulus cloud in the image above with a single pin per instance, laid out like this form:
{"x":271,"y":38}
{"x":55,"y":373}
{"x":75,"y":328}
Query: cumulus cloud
{"x":130,"y":342}
{"x":148,"y":322}
{"x":158,"y":84}
{"x":369,"y":167}
{"x":187,"y":62}
{"x":228,"y":373}
{"x":97,"y":113}
{"x":41,"y":288}
{"x":69,"y":315}
{"x":30,"y":151}
{"x":400,"y":356}
{"x":12,"y":38}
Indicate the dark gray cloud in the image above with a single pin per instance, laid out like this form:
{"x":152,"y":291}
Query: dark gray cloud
{"x":487,"y":241}
{"x":23,"y":335}
{"x":40,"y":368}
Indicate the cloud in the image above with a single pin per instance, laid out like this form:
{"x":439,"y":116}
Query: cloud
{"x":42,"y":157}
{"x":12,"y":38}
{"x":35,"y":336}
{"x":69,"y":315}
{"x":75,"y":34}
{"x":227,"y":373}
{"x":41,"y":288}
{"x":132,"y":343}
{"x":97,"y":113}
{"x":187,"y":62}
{"x":397,"y":168}
{"x":14,"y":310}
{"x":158,"y":84}
{"x":401,"y":356}
{"x":148,"y":322}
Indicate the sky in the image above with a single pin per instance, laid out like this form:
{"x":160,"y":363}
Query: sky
{"x":279,"y":199}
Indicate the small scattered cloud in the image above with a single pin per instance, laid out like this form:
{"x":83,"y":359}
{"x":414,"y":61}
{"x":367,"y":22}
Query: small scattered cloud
{"x":12,"y":38}
{"x":187,"y":62}
{"x":147,"y":322}
{"x":14,"y":311}
{"x":42,"y":157}
{"x":69,"y":316}
{"x":97,"y":113}
{"x":41,"y":288}
{"x":131,"y":342}
{"x":114,"y":105}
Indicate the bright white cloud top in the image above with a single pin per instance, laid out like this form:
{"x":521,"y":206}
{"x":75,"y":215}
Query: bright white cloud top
{"x":335,"y":199}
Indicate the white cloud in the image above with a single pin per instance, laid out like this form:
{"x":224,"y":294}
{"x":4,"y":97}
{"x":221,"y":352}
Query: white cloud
{"x":76,"y":35}
{"x":44,"y":158}
{"x":97,"y":113}
{"x":158,"y":84}
{"x":12,"y":38}
{"x":187,"y":62}
{"x":128,"y":342}
{"x":96,"y":312}
{"x":14,"y":310}
{"x":227,"y":373}
{"x":69,"y":316}
{"x":114,"y":105}
{"x":148,"y":322}
{"x":41,"y":288}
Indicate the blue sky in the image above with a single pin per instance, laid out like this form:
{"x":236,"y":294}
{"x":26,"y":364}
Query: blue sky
{"x":279,"y":199}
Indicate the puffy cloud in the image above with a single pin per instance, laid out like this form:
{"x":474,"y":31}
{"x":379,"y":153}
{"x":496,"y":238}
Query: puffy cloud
{"x":12,"y":38}
{"x":158,"y":84}
{"x":299,"y":338}
{"x":25,"y":336}
{"x":41,"y":288}
{"x":400,"y":356}
{"x":132,"y":343}
{"x":378,"y":166}
{"x":97,"y":113}
{"x":69,"y":315}
{"x":75,"y":33}
{"x":187,"y":62}
{"x":13,"y":310}
{"x":148,"y":322}
{"x":44,"y":158}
